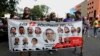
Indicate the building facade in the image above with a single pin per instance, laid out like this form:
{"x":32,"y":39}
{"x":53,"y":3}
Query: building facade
{"x":93,"y":8}
{"x":82,"y":7}
{"x":90,"y":8}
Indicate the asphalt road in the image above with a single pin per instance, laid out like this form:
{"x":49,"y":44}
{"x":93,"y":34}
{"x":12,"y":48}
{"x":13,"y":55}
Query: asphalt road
{"x":91,"y":48}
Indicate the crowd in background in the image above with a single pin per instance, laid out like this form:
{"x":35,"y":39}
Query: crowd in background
{"x":88,"y":22}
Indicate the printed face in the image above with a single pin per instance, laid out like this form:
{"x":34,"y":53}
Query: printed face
{"x":60,"y":39}
{"x":60,"y":30}
{"x":34,"y":41}
{"x":37,"y":30}
{"x":78,"y":29}
{"x":25,"y":40}
{"x":21,"y":30}
{"x":66,"y":29}
{"x":73,"y":29}
{"x":50,"y":34}
{"x":30,"y":30}
{"x":13,"y":30}
{"x":16,"y":40}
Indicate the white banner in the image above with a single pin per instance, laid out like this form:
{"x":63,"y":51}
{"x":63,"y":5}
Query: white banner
{"x":30,"y":35}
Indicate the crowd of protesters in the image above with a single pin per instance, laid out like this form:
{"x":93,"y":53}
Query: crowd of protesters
{"x":88,"y":22}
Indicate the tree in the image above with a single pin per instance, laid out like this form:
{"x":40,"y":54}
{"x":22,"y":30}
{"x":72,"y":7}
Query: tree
{"x":39,"y":10}
{"x":7,"y":6}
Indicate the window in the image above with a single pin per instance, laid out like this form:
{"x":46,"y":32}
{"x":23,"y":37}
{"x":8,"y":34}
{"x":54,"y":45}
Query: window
{"x":92,"y":7}
{"x":92,"y":2}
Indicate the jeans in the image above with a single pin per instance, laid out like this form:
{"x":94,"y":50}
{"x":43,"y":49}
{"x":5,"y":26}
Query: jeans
{"x":95,"y":31}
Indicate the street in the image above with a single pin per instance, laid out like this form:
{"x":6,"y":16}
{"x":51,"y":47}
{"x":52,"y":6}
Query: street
{"x":91,"y":48}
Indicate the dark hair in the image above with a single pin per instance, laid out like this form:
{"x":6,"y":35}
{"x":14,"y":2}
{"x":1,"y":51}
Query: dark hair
{"x":67,"y":28}
{"x":26,"y":8}
{"x":79,"y":29}
{"x":73,"y":30}
{"x":48,"y":29}
{"x":16,"y":43}
{"x":39,"y":29}
{"x":28,"y":28}
{"x":12,"y":28}
{"x":34,"y":39}
{"x":51,"y":17}
{"x":24,"y":14}
{"x":68,"y":15}
{"x":21,"y":27}
{"x":78,"y":12}
{"x":60,"y":29}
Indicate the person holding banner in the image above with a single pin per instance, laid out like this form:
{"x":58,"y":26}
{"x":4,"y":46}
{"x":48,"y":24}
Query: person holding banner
{"x":50,"y":36}
{"x":52,"y":17}
{"x":26,"y":14}
{"x":68,"y":18}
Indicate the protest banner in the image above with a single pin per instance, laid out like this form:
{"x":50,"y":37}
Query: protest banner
{"x":34,"y":35}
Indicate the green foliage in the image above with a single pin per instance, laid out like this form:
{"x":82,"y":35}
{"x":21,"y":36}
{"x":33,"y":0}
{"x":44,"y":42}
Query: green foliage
{"x":39,"y":10}
{"x":7,"y":6}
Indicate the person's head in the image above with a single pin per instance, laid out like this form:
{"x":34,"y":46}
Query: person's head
{"x":77,"y":14}
{"x":66,"y":29}
{"x":60,"y":30}
{"x":13,"y":15}
{"x":52,"y":15}
{"x":73,"y":29}
{"x":13,"y":30}
{"x":49,"y":34}
{"x":38,"y":30}
{"x":34,"y":41}
{"x":26,"y":11}
{"x":21,"y":30}
{"x":30,"y":30}
{"x":16,"y":40}
{"x":78,"y":29}
{"x":68,"y":15}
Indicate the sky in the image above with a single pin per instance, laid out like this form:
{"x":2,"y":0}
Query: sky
{"x":60,"y":7}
